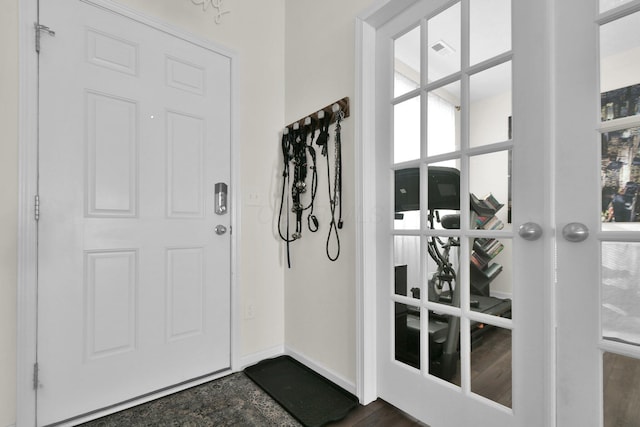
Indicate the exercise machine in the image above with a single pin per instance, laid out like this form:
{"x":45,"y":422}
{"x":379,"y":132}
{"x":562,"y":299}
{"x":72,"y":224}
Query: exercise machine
{"x":443,"y":194}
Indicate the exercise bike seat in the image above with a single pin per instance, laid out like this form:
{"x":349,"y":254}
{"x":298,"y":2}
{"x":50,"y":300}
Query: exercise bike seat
{"x":450,"y":222}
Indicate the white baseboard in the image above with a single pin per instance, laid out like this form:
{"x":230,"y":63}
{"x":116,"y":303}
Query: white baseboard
{"x":252,"y":359}
{"x":327,"y":373}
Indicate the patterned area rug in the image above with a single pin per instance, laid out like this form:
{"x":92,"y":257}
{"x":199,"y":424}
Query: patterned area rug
{"x":230,"y":401}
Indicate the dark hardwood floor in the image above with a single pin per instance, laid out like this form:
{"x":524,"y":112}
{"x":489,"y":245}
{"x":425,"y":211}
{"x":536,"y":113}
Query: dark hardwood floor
{"x":491,"y":378}
{"x":377,"y":413}
{"x":491,"y":367}
{"x":621,"y":377}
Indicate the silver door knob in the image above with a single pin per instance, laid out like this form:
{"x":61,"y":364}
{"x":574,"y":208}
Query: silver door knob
{"x":220,"y":230}
{"x":530,"y":231}
{"x":575,"y":232}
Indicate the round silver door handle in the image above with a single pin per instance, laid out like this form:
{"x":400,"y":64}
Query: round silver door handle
{"x":575,"y":232}
{"x":220,"y":230}
{"x":530,"y":231}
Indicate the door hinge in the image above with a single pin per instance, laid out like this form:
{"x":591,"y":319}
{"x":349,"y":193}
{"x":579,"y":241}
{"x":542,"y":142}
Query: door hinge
{"x":39,"y":29}
{"x":36,"y":371}
{"x":36,"y":208}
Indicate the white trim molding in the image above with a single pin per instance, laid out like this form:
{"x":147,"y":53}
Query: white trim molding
{"x":27,"y":227}
{"x":321,"y":369}
{"x":366,"y":366}
{"x":367,"y":22}
{"x":253,"y":358}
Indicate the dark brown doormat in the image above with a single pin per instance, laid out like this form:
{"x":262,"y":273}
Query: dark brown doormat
{"x":310,"y":398}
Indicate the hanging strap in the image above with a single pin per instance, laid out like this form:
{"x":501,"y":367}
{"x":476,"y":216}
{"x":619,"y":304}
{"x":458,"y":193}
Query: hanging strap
{"x":338,"y":172}
{"x":286,"y":156}
{"x":335,"y":196}
{"x":312,"y":221}
{"x":323,"y":137}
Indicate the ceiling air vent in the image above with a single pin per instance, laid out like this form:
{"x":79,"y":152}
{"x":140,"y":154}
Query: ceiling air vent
{"x":442,"y":48}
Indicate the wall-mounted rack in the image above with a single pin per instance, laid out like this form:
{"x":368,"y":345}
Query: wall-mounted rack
{"x":331,"y":109}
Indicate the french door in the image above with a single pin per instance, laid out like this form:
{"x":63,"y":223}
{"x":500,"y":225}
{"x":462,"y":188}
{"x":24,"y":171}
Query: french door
{"x":463,"y":271}
{"x":597,"y":181}
{"x":507,"y":195}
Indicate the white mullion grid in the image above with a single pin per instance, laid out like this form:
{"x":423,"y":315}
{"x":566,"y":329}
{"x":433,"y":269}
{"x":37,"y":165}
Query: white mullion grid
{"x":496,"y":234}
{"x":489,"y":63}
{"x":463,"y":279}
{"x":627,"y":236}
{"x":424,"y":201}
{"x":407,"y":164}
{"x":445,"y":81}
{"x":465,"y":325}
{"x":490,"y":148}
{"x":424,"y":312}
{"x":446,"y":309}
{"x":619,"y":124}
{"x":424,"y":60}
{"x":500,"y":322}
{"x":406,"y":300}
{"x":424,"y":113}
{"x":618,"y":12}
{"x":621,"y":348}
{"x":405,"y":96}
{"x":407,"y":232}
{"x":443,"y":232}
{"x":454,"y":155}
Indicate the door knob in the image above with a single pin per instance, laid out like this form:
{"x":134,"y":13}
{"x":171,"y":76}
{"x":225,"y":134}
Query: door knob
{"x":220,"y":230}
{"x":575,"y":232}
{"x":530,"y":231}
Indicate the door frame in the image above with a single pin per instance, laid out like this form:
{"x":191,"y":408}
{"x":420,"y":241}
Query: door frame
{"x":27,"y":266}
{"x":367,"y":24}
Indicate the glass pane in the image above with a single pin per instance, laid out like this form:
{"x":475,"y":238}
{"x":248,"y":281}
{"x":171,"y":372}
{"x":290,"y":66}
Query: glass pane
{"x":610,"y":4}
{"x":407,"y":334}
{"x":491,"y":363}
{"x":621,"y":292}
{"x":443,"y":269}
{"x":490,"y":29}
{"x":406,"y":250}
{"x":444,"y":214}
{"x":620,"y":68}
{"x":443,"y":194}
{"x":621,"y":380}
{"x":490,"y":183}
{"x":490,"y":276}
{"x":444,"y":347}
{"x":620,"y":172}
{"x":407,"y":199}
{"x":407,"y":62}
{"x":491,"y":106}
{"x":443,"y":120}
{"x":406,"y":134}
{"x":443,"y":44}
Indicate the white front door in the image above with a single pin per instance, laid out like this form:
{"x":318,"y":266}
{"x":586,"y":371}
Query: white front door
{"x":133,"y":282}
{"x":597,"y":108}
{"x":461,"y":164}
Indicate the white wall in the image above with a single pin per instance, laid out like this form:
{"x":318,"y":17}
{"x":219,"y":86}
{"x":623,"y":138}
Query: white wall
{"x":319,"y":294}
{"x":255,"y":31}
{"x":8,"y":207}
